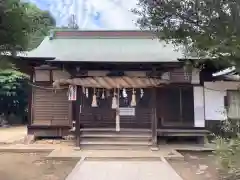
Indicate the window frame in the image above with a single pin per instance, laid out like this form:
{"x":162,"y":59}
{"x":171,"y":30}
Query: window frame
{"x":227,"y":107}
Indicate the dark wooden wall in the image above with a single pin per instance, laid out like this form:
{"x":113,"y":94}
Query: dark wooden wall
{"x":175,"y":106}
{"x":104,"y":116}
{"x":96,"y":117}
{"x":50,"y":107}
{"x":142,"y":118}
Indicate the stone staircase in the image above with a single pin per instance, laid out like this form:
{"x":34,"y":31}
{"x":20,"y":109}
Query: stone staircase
{"x":102,"y":139}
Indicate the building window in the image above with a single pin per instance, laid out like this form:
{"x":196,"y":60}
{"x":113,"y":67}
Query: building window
{"x":233,"y":104}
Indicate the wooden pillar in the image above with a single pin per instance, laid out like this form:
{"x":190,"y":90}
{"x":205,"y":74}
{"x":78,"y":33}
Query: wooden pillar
{"x":154,"y":120}
{"x":77,"y":116}
{"x":30,"y":99}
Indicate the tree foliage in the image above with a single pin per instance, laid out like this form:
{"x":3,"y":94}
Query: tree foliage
{"x":10,"y":80}
{"x":13,"y":92}
{"x":206,"y":28}
{"x":14,"y":26}
{"x":41,"y":23}
{"x":21,"y":24}
{"x":228,"y":150}
{"x":22,"y":27}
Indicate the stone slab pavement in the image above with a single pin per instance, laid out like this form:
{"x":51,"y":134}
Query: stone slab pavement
{"x":11,"y":135}
{"x":123,"y":170}
{"x":65,"y":153}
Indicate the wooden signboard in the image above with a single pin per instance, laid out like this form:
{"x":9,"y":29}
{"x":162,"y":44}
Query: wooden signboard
{"x":127,"y":111}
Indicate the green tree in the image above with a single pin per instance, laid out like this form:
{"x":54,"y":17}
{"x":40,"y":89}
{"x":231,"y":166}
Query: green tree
{"x":13,"y":93}
{"x":22,"y":27}
{"x":41,"y":23}
{"x":14,"y":26}
{"x":206,"y":28}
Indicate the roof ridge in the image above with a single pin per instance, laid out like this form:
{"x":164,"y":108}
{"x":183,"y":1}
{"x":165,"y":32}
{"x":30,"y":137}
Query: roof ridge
{"x":99,"y":30}
{"x":73,"y":33}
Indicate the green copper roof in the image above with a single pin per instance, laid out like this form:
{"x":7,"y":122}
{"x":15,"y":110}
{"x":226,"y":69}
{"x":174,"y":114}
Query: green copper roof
{"x":105,"y":49}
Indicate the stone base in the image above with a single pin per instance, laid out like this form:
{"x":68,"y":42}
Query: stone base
{"x":154,"y":148}
{"x":29,"y":139}
{"x":77,"y":148}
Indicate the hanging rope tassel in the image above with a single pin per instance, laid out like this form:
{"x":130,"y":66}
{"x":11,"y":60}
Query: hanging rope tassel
{"x":83,"y":90}
{"x":124,"y":93}
{"x":103,"y":95}
{"x":94,"y":100}
{"x":114,"y":100}
{"x":133,"y":101}
{"x":141,"y":93}
{"x":86,"y":92}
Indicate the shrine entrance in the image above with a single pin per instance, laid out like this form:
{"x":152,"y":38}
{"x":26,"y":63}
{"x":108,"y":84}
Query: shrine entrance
{"x":96,"y":111}
{"x":115,"y":102}
{"x":138,"y":116}
{"x":124,"y":110}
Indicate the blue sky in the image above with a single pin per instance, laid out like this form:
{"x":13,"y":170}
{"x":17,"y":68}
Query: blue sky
{"x":92,"y":14}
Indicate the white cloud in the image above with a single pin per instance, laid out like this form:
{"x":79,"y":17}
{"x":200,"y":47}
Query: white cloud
{"x":95,"y":14}
{"x":114,"y":15}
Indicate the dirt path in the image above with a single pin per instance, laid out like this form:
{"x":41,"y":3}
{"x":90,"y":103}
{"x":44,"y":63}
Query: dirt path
{"x":196,"y":166}
{"x":29,"y":166}
{"x":12,"y":134}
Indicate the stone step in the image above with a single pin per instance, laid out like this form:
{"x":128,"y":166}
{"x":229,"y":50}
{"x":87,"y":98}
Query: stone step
{"x":102,"y":142}
{"x":113,"y":130}
{"x":114,"y":135}
{"x":108,"y":138}
{"x":116,"y":138}
{"x":114,"y":147}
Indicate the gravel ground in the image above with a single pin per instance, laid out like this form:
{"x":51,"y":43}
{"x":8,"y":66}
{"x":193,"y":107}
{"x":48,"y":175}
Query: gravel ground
{"x":29,"y":166}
